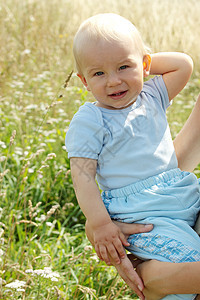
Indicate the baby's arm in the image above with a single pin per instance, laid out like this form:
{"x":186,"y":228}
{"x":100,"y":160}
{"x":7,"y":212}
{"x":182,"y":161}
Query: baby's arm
{"x":108,"y":238}
{"x":176,"y":69}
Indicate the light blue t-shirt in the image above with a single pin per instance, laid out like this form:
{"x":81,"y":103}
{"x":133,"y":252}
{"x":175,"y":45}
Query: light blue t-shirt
{"x":129,"y":144}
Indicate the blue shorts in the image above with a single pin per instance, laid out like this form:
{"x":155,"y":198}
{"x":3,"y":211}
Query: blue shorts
{"x":171,"y":202}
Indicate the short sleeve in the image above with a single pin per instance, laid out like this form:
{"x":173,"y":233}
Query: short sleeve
{"x":84,"y":137}
{"x":157,"y":88}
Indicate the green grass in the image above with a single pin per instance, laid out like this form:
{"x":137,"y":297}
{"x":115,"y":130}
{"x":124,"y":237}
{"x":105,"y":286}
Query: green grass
{"x":41,"y":225}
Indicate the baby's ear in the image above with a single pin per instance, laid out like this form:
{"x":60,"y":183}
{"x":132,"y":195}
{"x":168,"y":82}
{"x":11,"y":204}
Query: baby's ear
{"x":146,"y":65}
{"x":83,"y":81}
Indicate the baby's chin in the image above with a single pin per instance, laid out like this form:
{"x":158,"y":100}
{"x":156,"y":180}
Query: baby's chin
{"x":126,"y":105}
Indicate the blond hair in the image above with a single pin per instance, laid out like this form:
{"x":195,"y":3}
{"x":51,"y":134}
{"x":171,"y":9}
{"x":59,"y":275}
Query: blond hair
{"x":107,"y":26}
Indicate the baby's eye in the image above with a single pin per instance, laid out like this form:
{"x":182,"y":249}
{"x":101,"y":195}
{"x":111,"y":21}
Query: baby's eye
{"x":123,"y":67}
{"x":98,"y":73}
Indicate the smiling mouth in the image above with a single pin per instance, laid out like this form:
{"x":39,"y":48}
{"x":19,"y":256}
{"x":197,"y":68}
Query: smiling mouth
{"x":118,"y":94}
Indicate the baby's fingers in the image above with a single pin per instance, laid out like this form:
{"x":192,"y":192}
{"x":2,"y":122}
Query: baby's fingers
{"x":103,"y":254}
{"x":120,"y":249}
{"x":114,"y":252}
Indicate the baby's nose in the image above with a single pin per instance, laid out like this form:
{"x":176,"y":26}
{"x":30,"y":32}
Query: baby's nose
{"x":113,"y":79}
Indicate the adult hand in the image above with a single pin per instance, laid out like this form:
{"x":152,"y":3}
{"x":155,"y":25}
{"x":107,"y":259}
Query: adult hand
{"x":152,"y":274}
{"x":129,"y":275}
{"x":132,"y":228}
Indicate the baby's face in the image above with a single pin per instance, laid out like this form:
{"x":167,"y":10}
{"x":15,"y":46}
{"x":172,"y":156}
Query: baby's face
{"x":113,"y":72}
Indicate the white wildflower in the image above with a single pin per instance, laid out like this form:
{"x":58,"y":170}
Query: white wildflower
{"x":44,"y":166}
{"x":26,"y":51}
{"x":52,"y":120}
{"x":1,"y":233}
{"x":29,"y":271}
{"x":45,"y":273}
{"x":20,"y":290}
{"x":88,"y":248}
{"x":78,"y":102}
{"x":51,"y":155}
{"x":50,"y":141}
{"x":40,"y":150}
{"x":31,"y":18}
{"x":16,"y":284}
{"x":30,"y":170}
{"x":2,"y":158}
{"x":18,"y":84}
{"x":42,"y":218}
{"x":1,"y":229}
{"x":49,"y":224}
{"x":31,"y":106}
{"x":54,"y":279}
{"x":18,"y":150}
{"x":94,"y":257}
{"x":50,"y":94}
{"x":2,"y":145}
{"x":42,"y":145}
{"x":2,"y":281}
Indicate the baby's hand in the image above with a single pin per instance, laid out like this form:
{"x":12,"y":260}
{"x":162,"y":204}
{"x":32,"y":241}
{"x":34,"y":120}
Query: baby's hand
{"x":109,"y":240}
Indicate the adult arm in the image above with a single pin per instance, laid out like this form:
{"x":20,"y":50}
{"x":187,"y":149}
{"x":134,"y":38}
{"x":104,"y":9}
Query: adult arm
{"x":163,"y":278}
{"x":108,"y":237}
{"x":187,"y":142}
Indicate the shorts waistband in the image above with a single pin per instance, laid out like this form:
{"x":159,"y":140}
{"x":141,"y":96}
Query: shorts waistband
{"x":137,"y":187}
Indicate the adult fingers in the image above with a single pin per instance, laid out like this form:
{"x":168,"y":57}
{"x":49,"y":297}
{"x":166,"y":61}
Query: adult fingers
{"x":129,"y":275}
{"x":124,"y":240}
{"x":133,"y":228}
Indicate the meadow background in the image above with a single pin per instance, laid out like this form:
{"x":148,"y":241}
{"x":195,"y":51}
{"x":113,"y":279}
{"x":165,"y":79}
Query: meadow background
{"x":44,"y":253}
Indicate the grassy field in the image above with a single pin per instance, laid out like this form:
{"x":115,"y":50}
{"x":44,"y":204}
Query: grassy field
{"x":44,"y":253}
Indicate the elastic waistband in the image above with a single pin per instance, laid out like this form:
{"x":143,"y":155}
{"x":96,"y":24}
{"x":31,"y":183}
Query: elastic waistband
{"x":137,"y":187}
